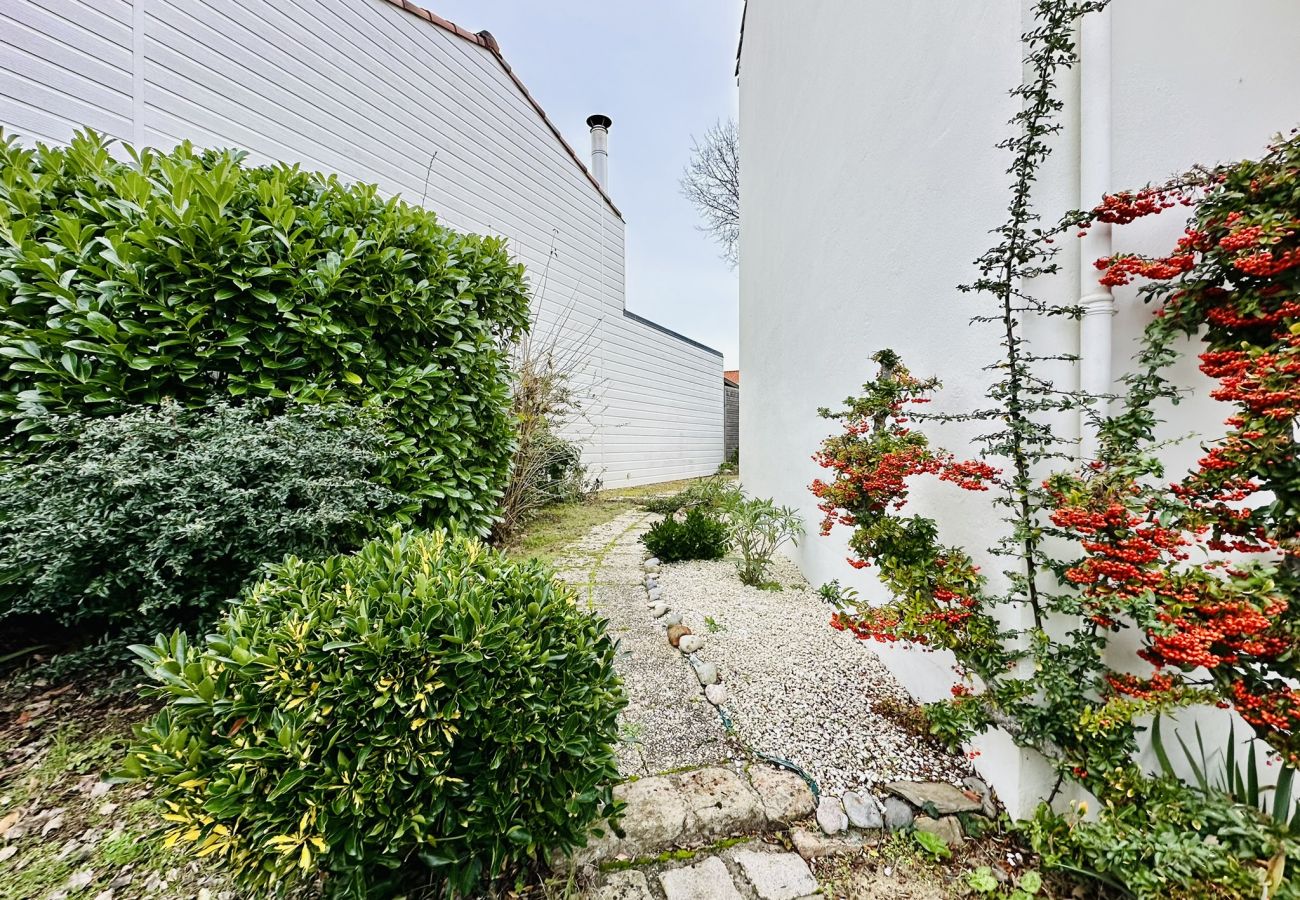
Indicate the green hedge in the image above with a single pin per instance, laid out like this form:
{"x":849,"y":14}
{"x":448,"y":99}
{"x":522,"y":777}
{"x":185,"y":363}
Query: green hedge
{"x":426,"y":713}
{"x":189,"y":275}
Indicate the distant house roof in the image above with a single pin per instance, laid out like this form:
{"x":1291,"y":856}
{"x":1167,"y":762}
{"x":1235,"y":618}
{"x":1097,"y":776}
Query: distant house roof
{"x":732,"y":375}
{"x":484,"y":39}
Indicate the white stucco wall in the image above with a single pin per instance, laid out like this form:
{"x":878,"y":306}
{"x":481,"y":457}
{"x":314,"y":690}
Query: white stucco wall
{"x":871,"y":183}
{"x":376,"y":94}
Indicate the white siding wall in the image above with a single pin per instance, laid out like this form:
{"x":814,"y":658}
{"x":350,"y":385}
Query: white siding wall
{"x":375,"y":94}
{"x":871,"y":184}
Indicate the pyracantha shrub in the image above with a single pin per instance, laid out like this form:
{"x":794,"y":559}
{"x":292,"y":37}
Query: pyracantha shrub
{"x":131,"y":277}
{"x":424,"y":714}
{"x":1201,"y":571}
{"x":699,"y":534}
{"x":156,"y":518}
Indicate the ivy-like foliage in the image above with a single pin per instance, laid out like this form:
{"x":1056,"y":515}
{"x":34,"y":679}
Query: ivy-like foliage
{"x":188,"y":275}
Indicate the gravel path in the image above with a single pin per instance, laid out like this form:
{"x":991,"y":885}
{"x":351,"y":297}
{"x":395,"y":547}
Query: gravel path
{"x":797,"y":688}
{"x":667,"y":725}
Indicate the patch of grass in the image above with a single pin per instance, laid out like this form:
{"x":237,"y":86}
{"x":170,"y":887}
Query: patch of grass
{"x":58,"y":743}
{"x":555,"y":528}
{"x":712,"y":626}
{"x":678,"y":855}
{"x":548,"y":534}
{"x":121,"y":848}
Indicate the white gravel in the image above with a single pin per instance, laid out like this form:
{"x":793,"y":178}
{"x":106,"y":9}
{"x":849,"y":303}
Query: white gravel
{"x":797,"y":688}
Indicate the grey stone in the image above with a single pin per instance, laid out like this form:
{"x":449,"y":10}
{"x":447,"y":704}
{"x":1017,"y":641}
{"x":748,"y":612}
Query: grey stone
{"x":898,"y":814}
{"x":777,"y":876}
{"x":655,"y":594}
{"x":707,"y":672}
{"x":947,"y":799}
{"x":979,"y":786}
{"x":863,"y":810}
{"x":629,"y":885}
{"x":947,"y":828}
{"x":660,"y":610}
{"x":831,"y":816}
{"x":655,"y":817}
{"x":673,"y":619}
{"x":815,"y":845}
{"x":708,"y":880}
{"x":786,"y":797}
{"x":720,"y":802}
{"x":651,"y":564}
{"x":715,"y":693}
{"x":695,"y":644}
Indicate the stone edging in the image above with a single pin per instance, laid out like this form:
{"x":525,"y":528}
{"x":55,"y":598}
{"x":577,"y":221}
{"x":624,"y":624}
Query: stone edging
{"x":935,"y":807}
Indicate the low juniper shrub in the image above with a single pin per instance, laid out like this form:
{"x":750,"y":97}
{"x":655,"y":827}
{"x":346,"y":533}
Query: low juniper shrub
{"x":426,"y":714}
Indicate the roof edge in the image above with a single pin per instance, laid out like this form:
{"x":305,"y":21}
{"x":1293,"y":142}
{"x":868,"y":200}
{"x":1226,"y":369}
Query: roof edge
{"x":487,"y":42}
{"x":668,"y":331}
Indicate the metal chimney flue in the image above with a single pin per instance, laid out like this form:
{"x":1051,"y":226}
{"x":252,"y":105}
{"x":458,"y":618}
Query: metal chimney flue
{"x":599,"y":126}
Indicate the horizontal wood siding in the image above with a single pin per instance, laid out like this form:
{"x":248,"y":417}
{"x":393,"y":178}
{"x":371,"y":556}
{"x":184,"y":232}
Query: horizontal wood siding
{"x":375,"y":94}
{"x":64,"y":65}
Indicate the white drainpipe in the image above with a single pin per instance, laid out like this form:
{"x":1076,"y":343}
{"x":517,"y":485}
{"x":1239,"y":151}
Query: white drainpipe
{"x":1095,"y":338}
{"x":599,"y":126}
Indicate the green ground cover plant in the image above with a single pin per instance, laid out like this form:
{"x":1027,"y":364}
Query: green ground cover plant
{"x":158,"y":517}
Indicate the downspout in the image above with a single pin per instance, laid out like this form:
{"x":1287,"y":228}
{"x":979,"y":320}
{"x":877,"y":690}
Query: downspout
{"x":1096,"y":300}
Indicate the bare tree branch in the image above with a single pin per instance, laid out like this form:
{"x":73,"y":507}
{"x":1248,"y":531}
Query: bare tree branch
{"x":711,"y":181}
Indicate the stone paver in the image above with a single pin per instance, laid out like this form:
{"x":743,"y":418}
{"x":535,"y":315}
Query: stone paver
{"x":721,"y":802}
{"x":786,"y":797}
{"x":812,"y":844}
{"x":708,"y":880}
{"x":777,"y":876}
{"x":630,"y":885}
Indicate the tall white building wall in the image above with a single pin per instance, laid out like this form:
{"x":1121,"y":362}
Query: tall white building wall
{"x":871,"y":184}
{"x":370,"y":91}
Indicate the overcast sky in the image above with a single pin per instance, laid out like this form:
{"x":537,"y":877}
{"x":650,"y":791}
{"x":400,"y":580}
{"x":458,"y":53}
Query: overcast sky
{"x":663,"y":71}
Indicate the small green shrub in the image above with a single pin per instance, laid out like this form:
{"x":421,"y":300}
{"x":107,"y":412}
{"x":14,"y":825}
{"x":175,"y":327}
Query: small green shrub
{"x":156,"y":518}
{"x":709,"y":493}
{"x":1166,"y":841}
{"x":697,"y":535}
{"x":131,"y":277}
{"x":425,"y":713}
{"x":758,"y":528}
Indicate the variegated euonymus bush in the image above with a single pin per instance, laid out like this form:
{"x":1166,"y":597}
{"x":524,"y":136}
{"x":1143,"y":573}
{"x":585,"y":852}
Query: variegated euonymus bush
{"x":130,"y":277}
{"x":426,"y":712}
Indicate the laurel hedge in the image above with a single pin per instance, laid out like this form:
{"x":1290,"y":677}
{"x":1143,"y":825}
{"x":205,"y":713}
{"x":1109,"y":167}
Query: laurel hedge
{"x":131,"y":276}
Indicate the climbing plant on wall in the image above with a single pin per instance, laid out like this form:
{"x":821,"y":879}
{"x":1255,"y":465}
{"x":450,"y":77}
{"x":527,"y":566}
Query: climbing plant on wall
{"x":1205,"y":569}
